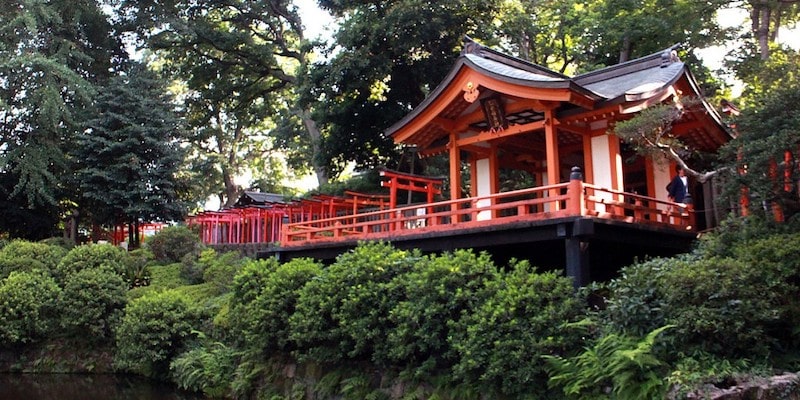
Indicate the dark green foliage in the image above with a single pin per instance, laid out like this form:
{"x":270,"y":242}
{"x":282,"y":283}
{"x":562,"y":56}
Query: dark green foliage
{"x":128,"y":158}
{"x":767,"y":131}
{"x":173,"y":243}
{"x":47,"y":256}
{"x":384,"y":64}
{"x":192,"y":269}
{"x":28,"y":307}
{"x":722,"y":306}
{"x":92,"y":256}
{"x":616,"y":366}
{"x":341,"y":314}
{"x":92,"y":301}
{"x":220,"y":269}
{"x":439,"y":291}
{"x":524,"y":318}
{"x":207,"y":369}
{"x":52,"y":54}
{"x":264,"y":322}
{"x":735,"y":297}
{"x":137,"y":272}
{"x":63,"y":242}
{"x":20,"y":264}
{"x":637,"y":304}
{"x":152,"y":333}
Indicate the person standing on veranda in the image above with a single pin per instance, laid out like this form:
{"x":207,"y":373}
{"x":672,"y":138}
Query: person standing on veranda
{"x":678,"y":188}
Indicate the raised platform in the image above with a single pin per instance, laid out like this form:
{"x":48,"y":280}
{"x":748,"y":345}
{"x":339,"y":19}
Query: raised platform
{"x":587,"y":248}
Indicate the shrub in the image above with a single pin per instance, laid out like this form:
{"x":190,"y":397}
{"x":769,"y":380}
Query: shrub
{"x":264,"y":323}
{"x":172,"y":243}
{"x":439,"y":291}
{"x":20,"y":264}
{"x":638,"y":301}
{"x":137,"y":272}
{"x":93,"y":256}
{"x":522,"y":319}
{"x":192,"y":269}
{"x":721,"y":306}
{"x":92,"y":301}
{"x":59,"y":241}
{"x":152,"y":332}
{"x":736,"y":231}
{"x":342,"y":313}
{"x":220,"y":269}
{"x":42,"y":254}
{"x":248,"y":286}
{"x":28,"y":307}
{"x":777,"y":258}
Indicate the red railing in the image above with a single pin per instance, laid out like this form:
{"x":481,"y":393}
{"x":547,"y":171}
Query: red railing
{"x":575,"y":198}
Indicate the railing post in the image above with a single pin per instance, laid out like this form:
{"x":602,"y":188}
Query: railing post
{"x":576,"y":201}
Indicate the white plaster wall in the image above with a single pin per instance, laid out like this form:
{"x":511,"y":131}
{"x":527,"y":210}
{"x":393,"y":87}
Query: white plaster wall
{"x":484,"y":188}
{"x":601,"y":165}
{"x":661,"y":177}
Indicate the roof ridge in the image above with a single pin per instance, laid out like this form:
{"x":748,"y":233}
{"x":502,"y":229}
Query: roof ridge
{"x":473,"y":47}
{"x":663,"y":57}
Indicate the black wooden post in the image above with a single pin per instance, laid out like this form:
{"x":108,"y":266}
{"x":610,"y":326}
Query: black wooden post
{"x":577,"y":250}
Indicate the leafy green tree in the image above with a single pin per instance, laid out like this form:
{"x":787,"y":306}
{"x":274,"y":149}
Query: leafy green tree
{"x":53,"y":53}
{"x":545,"y":32}
{"x":766,"y":18}
{"x":385,"y":58}
{"x":236,"y":62}
{"x":621,"y":30}
{"x":127,"y":159}
{"x":766,"y":132}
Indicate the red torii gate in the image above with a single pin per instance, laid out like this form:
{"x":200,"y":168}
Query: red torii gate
{"x":414,"y":183}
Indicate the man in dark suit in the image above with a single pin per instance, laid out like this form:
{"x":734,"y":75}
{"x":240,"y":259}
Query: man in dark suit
{"x":678,"y":188}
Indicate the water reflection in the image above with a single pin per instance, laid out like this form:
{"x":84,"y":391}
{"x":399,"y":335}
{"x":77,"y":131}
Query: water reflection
{"x":86,"y":387}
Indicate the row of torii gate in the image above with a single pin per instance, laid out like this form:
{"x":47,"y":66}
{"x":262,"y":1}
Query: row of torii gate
{"x":262,"y":222}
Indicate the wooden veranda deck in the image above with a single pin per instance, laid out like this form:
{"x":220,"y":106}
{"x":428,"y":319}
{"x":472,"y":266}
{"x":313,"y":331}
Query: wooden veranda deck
{"x":553,"y":226}
{"x":573,"y":199}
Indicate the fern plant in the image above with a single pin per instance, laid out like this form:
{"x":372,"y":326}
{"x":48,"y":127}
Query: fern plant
{"x":618,"y":367}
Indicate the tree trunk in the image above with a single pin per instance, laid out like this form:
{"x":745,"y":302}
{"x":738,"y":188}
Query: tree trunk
{"x":625,"y":51}
{"x":231,"y":189}
{"x":316,"y":148}
{"x":762,"y":33}
{"x":71,"y":226}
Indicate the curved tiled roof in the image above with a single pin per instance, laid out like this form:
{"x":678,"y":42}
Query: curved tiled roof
{"x":632,"y":81}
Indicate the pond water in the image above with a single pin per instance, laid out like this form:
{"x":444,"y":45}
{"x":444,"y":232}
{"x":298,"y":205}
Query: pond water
{"x":86,"y":387}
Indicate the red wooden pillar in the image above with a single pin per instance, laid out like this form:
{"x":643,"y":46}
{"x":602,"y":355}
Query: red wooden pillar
{"x":455,"y":172}
{"x":551,"y":146}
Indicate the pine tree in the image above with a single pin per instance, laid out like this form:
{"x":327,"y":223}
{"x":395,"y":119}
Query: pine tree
{"x":130,"y":154}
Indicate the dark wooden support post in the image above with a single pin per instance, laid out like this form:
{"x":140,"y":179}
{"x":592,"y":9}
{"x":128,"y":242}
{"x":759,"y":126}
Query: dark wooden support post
{"x":577,"y":249}
{"x":577,"y":260}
